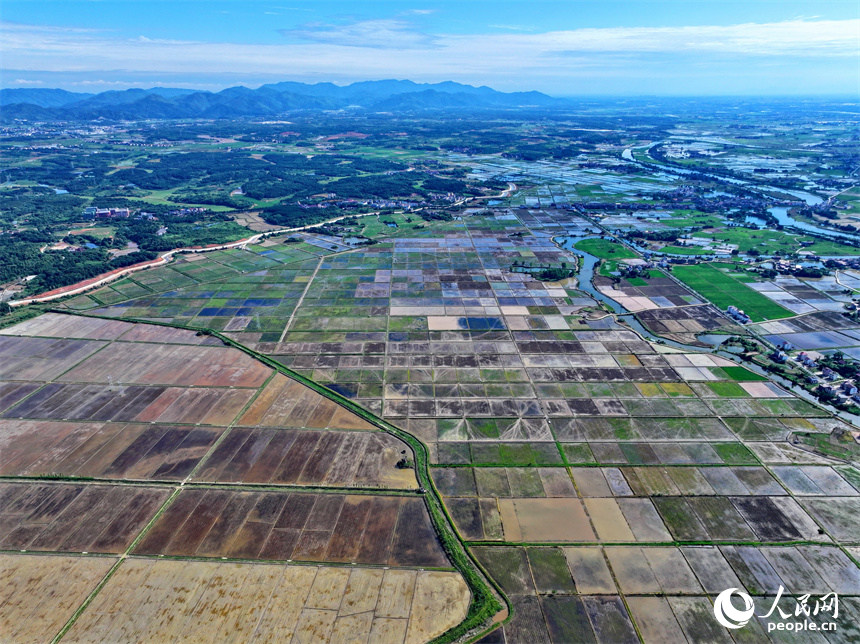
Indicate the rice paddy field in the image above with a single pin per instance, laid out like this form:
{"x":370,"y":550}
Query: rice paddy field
{"x":724,"y":289}
{"x":261,"y":510}
{"x":610,"y":486}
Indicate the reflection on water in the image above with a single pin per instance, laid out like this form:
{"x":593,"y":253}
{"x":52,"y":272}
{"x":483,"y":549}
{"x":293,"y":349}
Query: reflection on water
{"x":586,"y":276}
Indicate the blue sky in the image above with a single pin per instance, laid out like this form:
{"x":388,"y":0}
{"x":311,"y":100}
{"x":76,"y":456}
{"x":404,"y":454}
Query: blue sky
{"x":563,"y":48}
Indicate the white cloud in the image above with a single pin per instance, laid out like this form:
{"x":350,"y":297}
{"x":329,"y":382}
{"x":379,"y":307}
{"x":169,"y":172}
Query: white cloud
{"x":24,"y":81}
{"x":395,"y":48}
{"x":381,"y":34}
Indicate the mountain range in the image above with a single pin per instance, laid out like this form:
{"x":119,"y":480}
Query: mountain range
{"x":268,"y":100}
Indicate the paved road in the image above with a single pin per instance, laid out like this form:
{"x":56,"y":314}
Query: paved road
{"x":164,"y":258}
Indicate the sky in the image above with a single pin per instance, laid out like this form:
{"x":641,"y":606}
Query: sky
{"x":562,"y":48}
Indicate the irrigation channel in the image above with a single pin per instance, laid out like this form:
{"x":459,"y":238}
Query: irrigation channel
{"x":585,"y":277}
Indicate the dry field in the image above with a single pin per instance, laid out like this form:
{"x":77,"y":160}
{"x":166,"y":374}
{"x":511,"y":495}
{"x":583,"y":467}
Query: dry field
{"x":384,"y":530}
{"x":66,"y":517}
{"x":162,"y":600}
{"x":33,"y":606}
{"x":102,"y":450}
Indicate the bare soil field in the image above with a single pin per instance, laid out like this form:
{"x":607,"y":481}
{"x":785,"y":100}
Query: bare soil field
{"x":74,"y":518}
{"x":102,"y":450}
{"x":286,"y":403}
{"x":41,"y":359}
{"x":54,"y":325}
{"x":33,"y":606}
{"x":125,"y":403}
{"x":162,"y":600}
{"x":148,"y":404}
{"x":170,"y":364}
{"x":303,"y":457}
{"x":304,"y":527}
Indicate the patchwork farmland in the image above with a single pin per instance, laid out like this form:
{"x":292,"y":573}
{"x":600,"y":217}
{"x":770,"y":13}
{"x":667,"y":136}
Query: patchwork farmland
{"x":112,"y":451}
{"x":611,"y":486}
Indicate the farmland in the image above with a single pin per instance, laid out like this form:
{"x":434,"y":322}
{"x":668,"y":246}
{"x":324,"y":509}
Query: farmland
{"x":556,"y":438}
{"x":724,"y":290}
{"x":93,"y":469}
{"x":310,"y":438}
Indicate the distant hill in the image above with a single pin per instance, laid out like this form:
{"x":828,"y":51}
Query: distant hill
{"x":268,"y":100}
{"x":41,"y":97}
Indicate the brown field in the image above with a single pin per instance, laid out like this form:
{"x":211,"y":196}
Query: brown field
{"x":286,"y":403}
{"x":252,"y":220}
{"x":74,"y":518}
{"x":54,"y":325}
{"x":102,"y":450}
{"x":13,"y":392}
{"x":98,"y":402}
{"x":170,"y":364}
{"x":134,"y":402}
{"x":317,"y":457}
{"x":162,"y":601}
{"x":166,"y":335}
{"x":33,"y":606}
{"x":303,"y":527}
{"x":41,"y":359}
{"x":541,"y":520}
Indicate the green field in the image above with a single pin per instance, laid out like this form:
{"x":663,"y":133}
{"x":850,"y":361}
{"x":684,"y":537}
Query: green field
{"x":724,"y":290}
{"x":605,"y":249}
{"x":687,"y":250}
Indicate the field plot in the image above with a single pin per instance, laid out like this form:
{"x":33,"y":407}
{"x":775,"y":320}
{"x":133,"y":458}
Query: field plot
{"x":145,"y":363}
{"x":339,"y":459}
{"x":41,"y":359}
{"x":65,"y":517}
{"x":682,"y":324}
{"x":820,"y":331}
{"x":608,"y":483}
{"x":249,"y":292}
{"x":724,"y":290}
{"x":305,"y":527}
{"x":33,"y":606}
{"x":102,"y":450}
{"x":53,"y":325}
{"x":161,"y":600}
{"x":555,"y":590}
{"x":148,"y":414}
{"x":103,"y":402}
{"x":286,"y":403}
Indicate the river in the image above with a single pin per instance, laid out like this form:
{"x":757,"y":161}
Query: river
{"x":781,"y":213}
{"x":585,"y":277}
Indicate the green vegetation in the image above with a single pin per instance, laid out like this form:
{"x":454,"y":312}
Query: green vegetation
{"x":687,"y":250}
{"x":605,"y":249}
{"x":724,"y":291}
{"x":837,"y":444}
{"x":741,"y":374}
{"x":727,"y":389}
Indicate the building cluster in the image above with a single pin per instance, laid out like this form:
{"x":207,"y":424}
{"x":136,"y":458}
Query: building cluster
{"x":738,"y":314}
{"x":107,"y":213}
{"x":845,"y":390}
{"x":188,"y":211}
